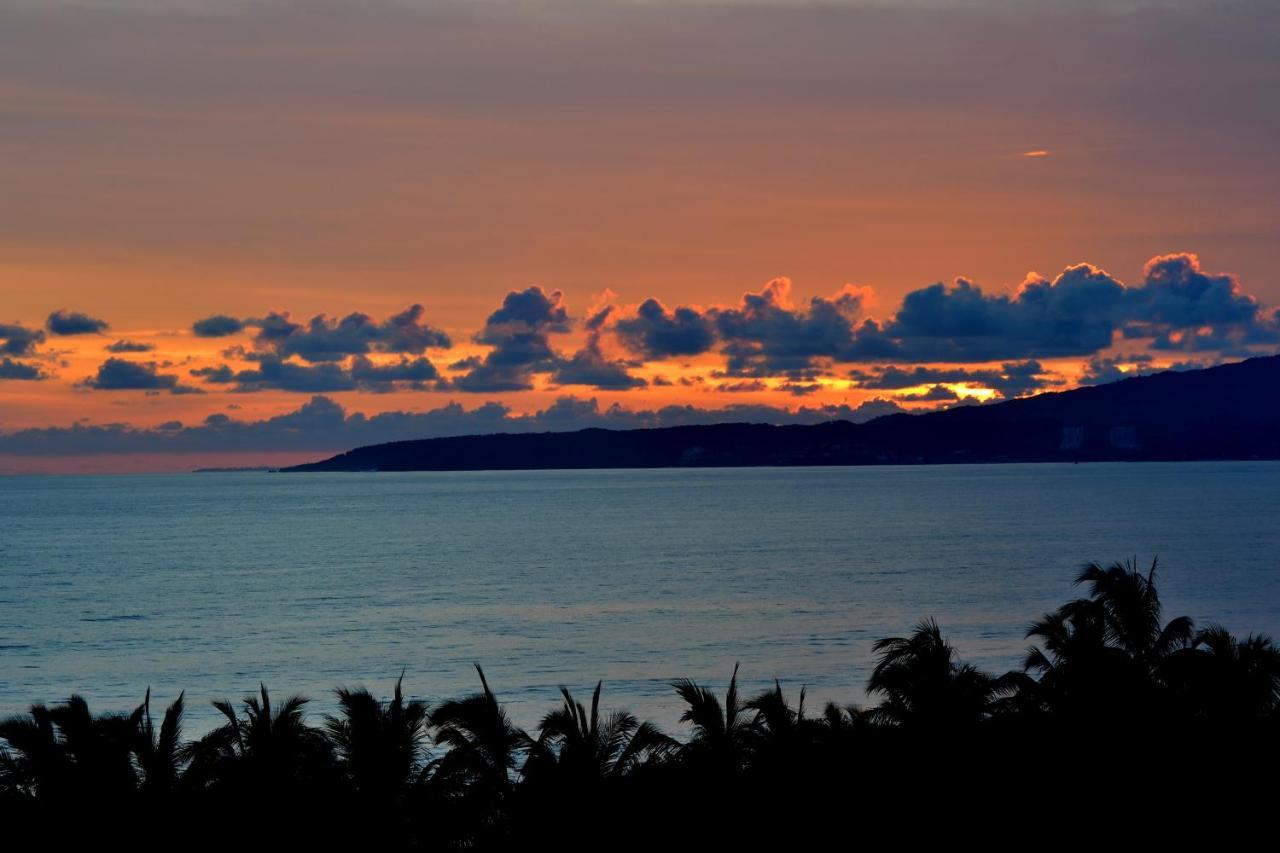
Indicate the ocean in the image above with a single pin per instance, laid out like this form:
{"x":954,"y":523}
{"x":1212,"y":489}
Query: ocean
{"x":212,"y":583}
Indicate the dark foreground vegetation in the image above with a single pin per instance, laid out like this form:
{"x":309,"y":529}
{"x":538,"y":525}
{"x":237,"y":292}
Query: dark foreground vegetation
{"x":1121,"y":727}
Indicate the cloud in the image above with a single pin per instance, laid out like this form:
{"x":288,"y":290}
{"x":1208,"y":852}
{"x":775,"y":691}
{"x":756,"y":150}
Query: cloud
{"x":1076,"y":313}
{"x":64,"y":322}
{"x":16,"y":339}
{"x":117,"y":374}
{"x":1176,"y":292}
{"x":590,"y":367}
{"x":217,"y":326}
{"x":766,"y":336}
{"x":322,"y":425}
{"x":655,"y":332}
{"x":1012,"y":379}
{"x":1181,"y":307}
{"x":1099,"y":370}
{"x":10,"y":369}
{"x":125,"y":346}
{"x":325,"y":339}
{"x":1080,"y":312}
{"x":801,"y":389}
{"x":746,"y":386}
{"x":415,"y":374}
{"x":274,"y":373}
{"x":518,"y":333}
{"x":935,"y":393}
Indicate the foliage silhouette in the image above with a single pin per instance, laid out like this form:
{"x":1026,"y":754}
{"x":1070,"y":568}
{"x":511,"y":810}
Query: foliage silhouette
{"x":1110,"y":693}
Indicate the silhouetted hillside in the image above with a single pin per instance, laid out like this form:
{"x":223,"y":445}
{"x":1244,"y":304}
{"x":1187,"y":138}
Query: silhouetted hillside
{"x":1227,"y":412}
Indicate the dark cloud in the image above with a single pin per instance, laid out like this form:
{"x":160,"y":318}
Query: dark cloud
{"x":1177,"y":293}
{"x":325,"y":339}
{"x":766,"y":336}
{"x":1012,"y":379}
{"x":118,"y":374}
{"x":657,"y":333}
{"x":469,"y":363}
{"x":518,"y":333}
{"x":416,"y":374}
{"x":220,"y":375}
{"x":274,"y":373}
{"x":933,"y":394}
{"x":276,"y":326}
{"x":16,"y":339}
{"x":1180,"y":307}
{"x":746,"y":386}
{"x":322,"y":425}
{"x":1081,"y":312}
{"x":800,"y":389}
{"x":1099,"y":370}
{"x":125,"y":346}
{"x":64,"y":322}
{"x":217,"y":326}
{"x":1075,"y":314}
{"x":589,"y":367}
{"x":10,"y":369}
{"x":531,"y":309}
{"x":493,"y":379}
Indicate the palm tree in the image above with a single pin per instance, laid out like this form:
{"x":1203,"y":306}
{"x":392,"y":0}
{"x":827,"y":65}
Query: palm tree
{"x":65,"y":751}
{"x":379,"y":743}
{"x":845,"y":719}
{"x":1132,"y":613}
{"x":1077,"y":668}
{"x":784,"y":741}
{"x":159,"y":754}
{"x":923,"y":683}
{"x":581,"y":748}
{"x":484,"y":745}
{"x":264,"y":747}
{"x":721,"y":733}
{"x":466,"y":790}
{"x":35,"y":763}
{"x":1104,"y":654}
{"x":1224,"y":679}
{"x":775,"y":717}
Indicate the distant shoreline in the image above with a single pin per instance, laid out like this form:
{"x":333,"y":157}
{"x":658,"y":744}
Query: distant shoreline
{"x":1198,"y":415}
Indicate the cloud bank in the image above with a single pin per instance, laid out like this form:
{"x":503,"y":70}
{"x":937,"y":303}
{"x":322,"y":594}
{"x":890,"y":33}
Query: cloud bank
{"x":323,"y":425}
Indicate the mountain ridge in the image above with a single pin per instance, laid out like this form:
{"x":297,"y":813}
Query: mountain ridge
{"x":1230,"y":411}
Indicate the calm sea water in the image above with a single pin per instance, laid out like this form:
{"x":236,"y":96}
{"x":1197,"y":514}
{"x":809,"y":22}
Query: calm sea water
{"x":214,"y":582}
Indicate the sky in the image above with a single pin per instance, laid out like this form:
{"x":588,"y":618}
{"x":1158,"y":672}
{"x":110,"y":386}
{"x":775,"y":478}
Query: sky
{"x":241,"y":233}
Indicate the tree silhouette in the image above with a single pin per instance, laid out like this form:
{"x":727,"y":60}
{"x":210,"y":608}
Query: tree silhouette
{"x":263,"y":747}
{"x":1110,"y":693}
{"x":158,"y":753}
{"x":484,"y":745}
{"x":580,"y":748}
{"x":721,"y":733}
{"x":380,"y":744}
{"x":1104,"y":654}
{"x":1224,"y":679}
{"x":924,"y":685}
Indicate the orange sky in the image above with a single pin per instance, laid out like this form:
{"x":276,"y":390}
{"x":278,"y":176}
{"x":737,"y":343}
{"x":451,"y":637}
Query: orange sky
{"x":159,"y":167}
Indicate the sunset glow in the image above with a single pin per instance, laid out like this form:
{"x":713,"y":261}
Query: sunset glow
{"x":492,"y":219}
